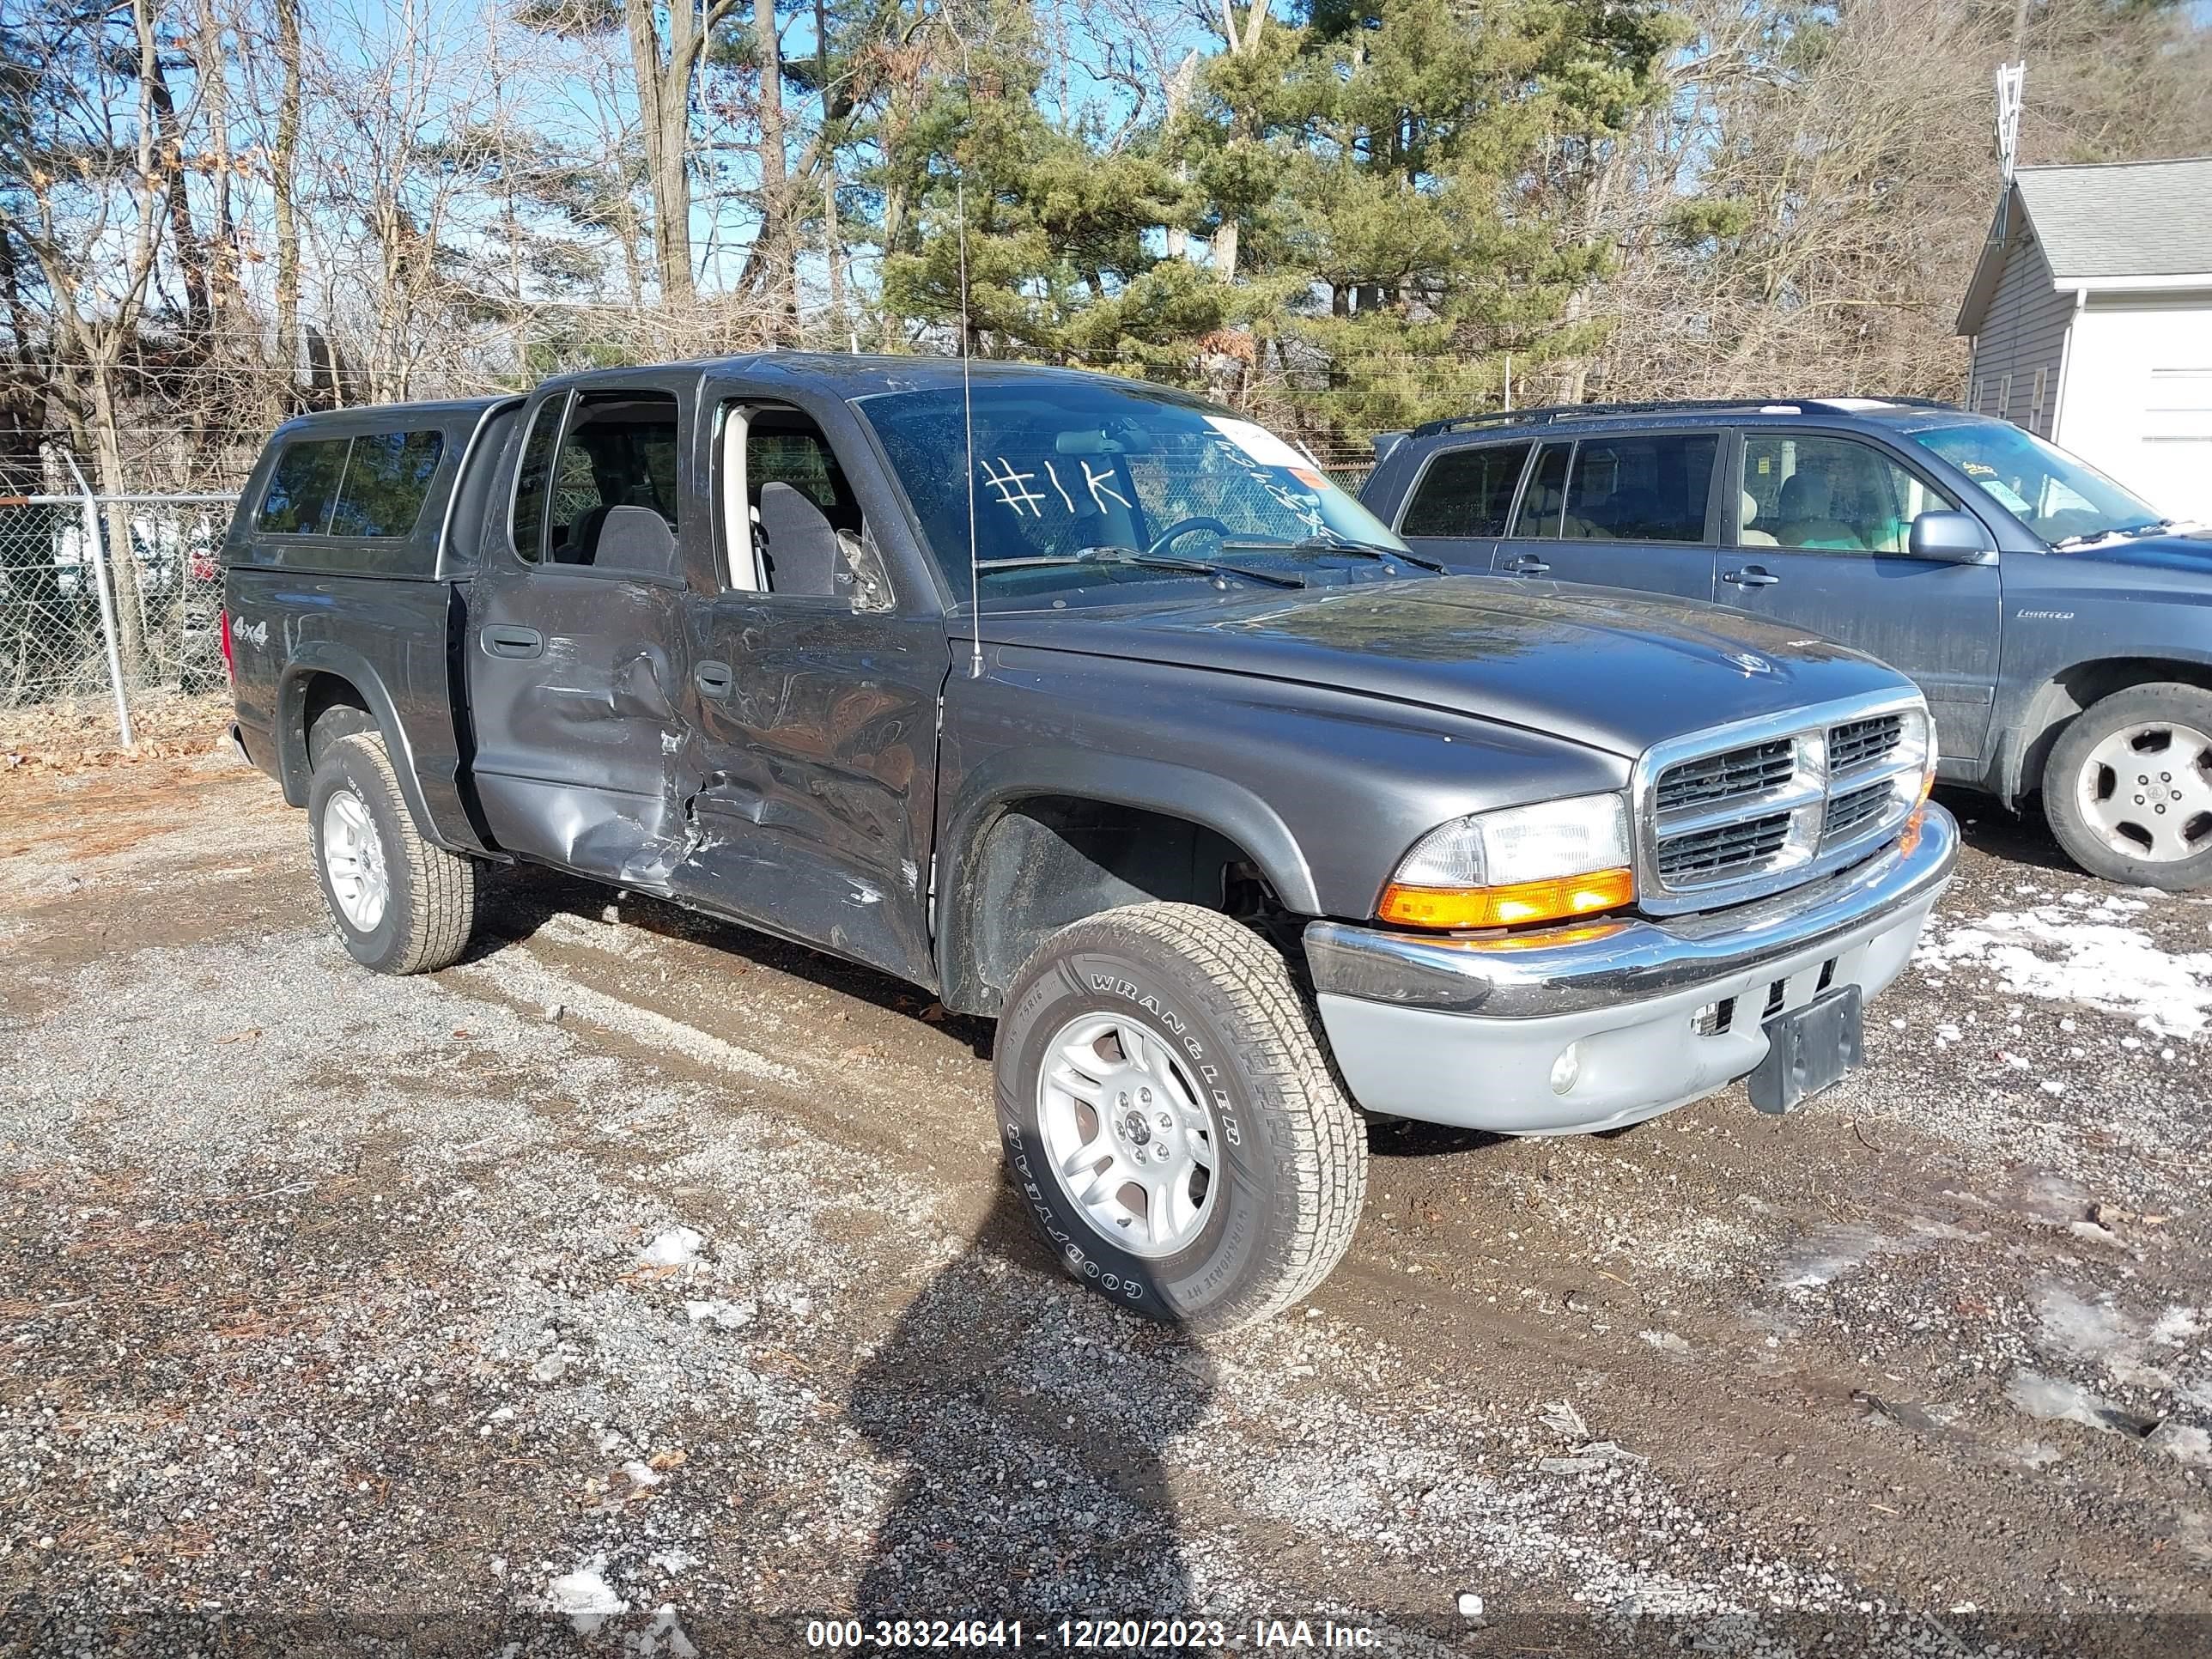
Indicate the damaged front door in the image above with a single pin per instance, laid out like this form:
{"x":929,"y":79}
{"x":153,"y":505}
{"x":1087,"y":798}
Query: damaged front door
{"x":817,"y":708}
{"x":578,"y":656}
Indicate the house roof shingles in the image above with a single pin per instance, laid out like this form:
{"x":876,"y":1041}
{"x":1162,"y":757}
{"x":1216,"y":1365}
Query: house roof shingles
{"x":2125,"y":219}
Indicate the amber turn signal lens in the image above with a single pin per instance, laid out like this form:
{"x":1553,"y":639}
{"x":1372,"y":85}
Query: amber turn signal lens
{"x":1911,"y":838}
{"x":1506,"y":907}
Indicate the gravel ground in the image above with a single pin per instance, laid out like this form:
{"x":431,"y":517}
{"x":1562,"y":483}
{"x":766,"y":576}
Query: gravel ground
{"x":644,"y":1286}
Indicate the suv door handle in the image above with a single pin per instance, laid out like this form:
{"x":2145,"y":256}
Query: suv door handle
{"x":713,"y":679}
{"x":1750,"y":576}
{"x":1527,"y":565}
{"x":501,"y":640}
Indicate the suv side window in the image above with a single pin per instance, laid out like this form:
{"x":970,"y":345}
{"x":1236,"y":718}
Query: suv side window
{"x":1466,"y":492}
{"x":1546,"y":492}
{"x":1800,"y":489}
{"x":1647,"y":488}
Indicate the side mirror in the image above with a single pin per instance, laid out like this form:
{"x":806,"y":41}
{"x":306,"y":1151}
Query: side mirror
{"x":1951,"y":537}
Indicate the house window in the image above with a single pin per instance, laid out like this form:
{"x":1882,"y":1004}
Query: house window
{"x":2035,"y":407}
{"x":2004,"y":399}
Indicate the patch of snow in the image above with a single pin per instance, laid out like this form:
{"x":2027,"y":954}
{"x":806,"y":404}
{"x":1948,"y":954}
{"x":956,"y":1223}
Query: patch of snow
{"x":2182,"y":1443}
{"x":584,"y":1598}
{"x":2058,"y":954}
{"x":2177,"y":1327}
{"x":730,"y":1315}
{"x":677,"y":1247}
{"x":2056,"y":1400}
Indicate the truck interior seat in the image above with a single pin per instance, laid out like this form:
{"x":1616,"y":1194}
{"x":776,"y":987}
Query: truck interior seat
{"x":583,"y":536}
{"x":1749,"y":516}
{"x":636,"y":540}
{"x":1806,"y":520}
{"x":798,"y":545}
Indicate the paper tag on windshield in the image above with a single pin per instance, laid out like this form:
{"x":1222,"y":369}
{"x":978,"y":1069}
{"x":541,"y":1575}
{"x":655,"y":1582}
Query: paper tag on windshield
{"x":1262,"y":445}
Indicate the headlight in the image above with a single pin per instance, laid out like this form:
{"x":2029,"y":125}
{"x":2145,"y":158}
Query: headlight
{"x":1923,"y":731}
{"x":1540,"y":863}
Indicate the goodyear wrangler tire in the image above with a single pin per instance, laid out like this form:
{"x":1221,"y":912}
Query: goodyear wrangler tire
{"x":1171,"y":1121}
{"x":402,"y":905}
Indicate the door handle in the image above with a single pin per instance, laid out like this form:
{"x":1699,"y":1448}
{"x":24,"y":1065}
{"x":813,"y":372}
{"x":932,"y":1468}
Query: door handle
{"x":713,"y":679}
{"x":1527,"y":565}
{"x":503,"y":641}
{"x":1750,"y":576}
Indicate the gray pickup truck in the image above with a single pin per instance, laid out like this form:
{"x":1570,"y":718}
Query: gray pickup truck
{"x":1095,"y":708}
{"x":2060,"y":628}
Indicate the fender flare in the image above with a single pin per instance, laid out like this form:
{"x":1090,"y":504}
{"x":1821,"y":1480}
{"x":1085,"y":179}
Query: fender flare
{"x":1227,"y":808}
{"x":313,"y":657}
{"x":2052,"y":702}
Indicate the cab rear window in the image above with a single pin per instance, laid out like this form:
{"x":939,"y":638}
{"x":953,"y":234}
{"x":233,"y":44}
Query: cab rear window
{"x":370,"y":485}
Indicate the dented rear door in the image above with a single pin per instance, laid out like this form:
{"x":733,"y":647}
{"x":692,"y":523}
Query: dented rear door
{"x":578,"y":670}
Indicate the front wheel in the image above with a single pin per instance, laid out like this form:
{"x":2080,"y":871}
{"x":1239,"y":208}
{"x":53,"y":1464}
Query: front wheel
{"x":1171,"y":1121}
{"x":2128,"y":789}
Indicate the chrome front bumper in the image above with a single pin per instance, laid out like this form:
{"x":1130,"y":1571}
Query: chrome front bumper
{"x":1469,"y":1031}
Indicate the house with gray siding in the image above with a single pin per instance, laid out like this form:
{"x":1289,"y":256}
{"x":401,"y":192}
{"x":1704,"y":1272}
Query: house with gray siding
{"x":2091,"y":315}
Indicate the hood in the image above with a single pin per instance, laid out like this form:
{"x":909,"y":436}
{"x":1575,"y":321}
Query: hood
{"x":2186,"y":553}
{"x":1612,"y":669}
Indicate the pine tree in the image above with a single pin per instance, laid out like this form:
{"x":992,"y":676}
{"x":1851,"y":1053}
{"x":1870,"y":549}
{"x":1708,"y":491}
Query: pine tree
{"x":1065,"y":244}
{"x":1395,"y":171}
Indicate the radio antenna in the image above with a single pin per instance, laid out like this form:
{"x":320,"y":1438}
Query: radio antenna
{"x":968,"y":420}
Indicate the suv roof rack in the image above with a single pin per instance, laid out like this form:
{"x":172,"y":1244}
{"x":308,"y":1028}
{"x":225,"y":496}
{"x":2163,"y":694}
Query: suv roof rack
{"x":1555,"y":412}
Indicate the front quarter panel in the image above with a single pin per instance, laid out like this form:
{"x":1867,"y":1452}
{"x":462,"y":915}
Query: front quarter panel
{"x":1324,"y":790}
{"x":2077,"y":627}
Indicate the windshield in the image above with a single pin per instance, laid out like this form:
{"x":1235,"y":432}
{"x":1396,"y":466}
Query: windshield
{"x":1074,"y":479}
{"x":2052,"y":493}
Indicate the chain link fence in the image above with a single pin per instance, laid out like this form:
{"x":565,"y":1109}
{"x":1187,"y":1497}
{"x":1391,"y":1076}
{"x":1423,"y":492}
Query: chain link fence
{"x":110,"y":597}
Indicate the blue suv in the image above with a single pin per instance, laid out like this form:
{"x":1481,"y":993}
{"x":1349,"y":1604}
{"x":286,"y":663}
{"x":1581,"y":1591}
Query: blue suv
{"x":2060,"y":628}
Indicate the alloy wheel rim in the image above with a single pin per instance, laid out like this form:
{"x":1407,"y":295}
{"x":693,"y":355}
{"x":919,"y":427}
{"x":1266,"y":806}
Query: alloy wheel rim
{"x":353,"y":858}
{"x":2146,"y":791}
{"x":1129,"y":1135}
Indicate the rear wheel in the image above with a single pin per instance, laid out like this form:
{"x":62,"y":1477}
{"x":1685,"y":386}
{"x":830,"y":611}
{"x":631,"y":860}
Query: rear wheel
{"x":402,"y":905}
{"x":1171,"y":1119}
{"x":2128,"y":789}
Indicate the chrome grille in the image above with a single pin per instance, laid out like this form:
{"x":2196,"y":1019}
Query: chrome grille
{"x":1863,"y":743}
{"x":1743,"y":811}
{"x":1730,"y":775}
{"x":1729,"y":850}
{"x":1848,"y":814}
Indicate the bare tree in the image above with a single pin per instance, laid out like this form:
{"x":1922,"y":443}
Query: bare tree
{"x":664,"y":70}
{"x":98,"y":185}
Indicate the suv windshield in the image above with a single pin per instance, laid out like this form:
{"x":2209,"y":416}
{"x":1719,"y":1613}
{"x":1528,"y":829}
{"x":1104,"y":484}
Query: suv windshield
{"x":1082,"y":482}
{"x":2058,"y":497}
